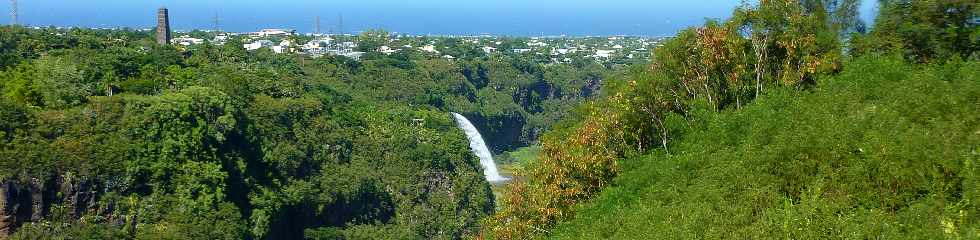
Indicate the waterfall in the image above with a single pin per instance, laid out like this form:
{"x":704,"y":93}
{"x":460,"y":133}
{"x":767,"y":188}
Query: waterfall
{"x":479,"y":148}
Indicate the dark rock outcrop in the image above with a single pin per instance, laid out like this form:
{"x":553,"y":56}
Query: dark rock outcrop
{"x":7,"y":218}
{"x":31,"y":200}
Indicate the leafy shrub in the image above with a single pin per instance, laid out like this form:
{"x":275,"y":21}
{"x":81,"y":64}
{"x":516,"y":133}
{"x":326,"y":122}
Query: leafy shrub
{"x":886,"y":149}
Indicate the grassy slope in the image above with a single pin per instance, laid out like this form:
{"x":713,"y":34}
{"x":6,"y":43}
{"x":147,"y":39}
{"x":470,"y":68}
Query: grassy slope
{"x":518,"y":159}
{"x":884,"y":149}
{"x":510,"y":163}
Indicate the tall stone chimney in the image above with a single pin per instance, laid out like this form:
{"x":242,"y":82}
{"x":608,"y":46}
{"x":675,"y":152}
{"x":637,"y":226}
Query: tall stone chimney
{"x":163,"y":26}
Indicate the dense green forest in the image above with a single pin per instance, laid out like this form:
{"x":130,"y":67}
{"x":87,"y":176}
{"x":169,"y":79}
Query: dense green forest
{"x":106,"y":135}
{"x":789,"y":120}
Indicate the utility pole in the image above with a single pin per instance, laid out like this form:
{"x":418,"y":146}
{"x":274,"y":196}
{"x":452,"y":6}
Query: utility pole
{"x":217,"y":23}
{"x":13,"y":12}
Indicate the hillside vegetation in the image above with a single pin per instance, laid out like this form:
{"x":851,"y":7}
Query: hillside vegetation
{"x":885,"y":149}
{"x":106,"y":135}
{"x":787,"y":120}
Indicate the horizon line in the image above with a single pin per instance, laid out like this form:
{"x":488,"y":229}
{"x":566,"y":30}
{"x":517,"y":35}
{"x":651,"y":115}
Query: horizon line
{"x":355,"y":33}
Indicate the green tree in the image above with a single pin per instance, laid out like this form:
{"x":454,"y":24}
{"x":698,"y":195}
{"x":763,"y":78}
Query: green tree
{"x":924,"y":31}
{"x":60,"y":83}
{"x":372,"y":40}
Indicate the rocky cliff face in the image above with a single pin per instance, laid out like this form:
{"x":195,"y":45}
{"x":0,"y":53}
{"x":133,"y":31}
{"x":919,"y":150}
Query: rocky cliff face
{"x":17,"y":205}
{"x":23,"y":201}
{"x":501,"y":132}
{"x":6,"y":215}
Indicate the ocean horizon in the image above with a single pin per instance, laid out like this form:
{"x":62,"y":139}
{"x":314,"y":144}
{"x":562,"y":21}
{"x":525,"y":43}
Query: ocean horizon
{"x":424,"y":17}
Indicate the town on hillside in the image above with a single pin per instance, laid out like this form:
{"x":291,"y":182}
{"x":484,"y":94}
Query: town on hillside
{"x":551,"y":49}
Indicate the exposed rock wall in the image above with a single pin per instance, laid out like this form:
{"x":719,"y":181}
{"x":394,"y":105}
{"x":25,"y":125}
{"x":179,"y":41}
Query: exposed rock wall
{"x":7,"y":218}
{"x":17,"y":206}
{"x":31,"y":200}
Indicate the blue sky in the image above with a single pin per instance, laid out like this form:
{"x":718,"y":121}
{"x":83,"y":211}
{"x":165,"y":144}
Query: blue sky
{"x":508,"y":17}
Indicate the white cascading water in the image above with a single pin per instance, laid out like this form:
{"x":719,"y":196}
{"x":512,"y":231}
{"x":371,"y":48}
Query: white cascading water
{"x":479,"y":148}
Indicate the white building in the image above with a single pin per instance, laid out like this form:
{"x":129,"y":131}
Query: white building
{"x":559,"y":51}
{"x":353,"y":55}
{"x":279,"y":49}
{"x":429,"y":48}
{"x":537,"y":44}
{"x":272,"y":32}
{"x":387,"y":50}
{"x":317,"y":47}
{"x":489,"y":49}
{"x":348,"y":45}
{"x":256,"y":45}
{"x":285,"y":46}
{"x":186,"y":40}
{"x":604,"y":53}
{"x":220,"y":39}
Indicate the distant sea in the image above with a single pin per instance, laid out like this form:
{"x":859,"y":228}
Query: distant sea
{"x":424,"y":17}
